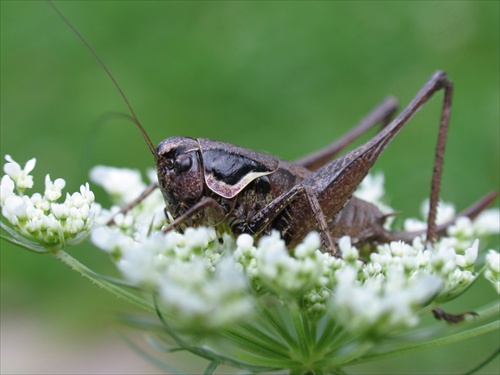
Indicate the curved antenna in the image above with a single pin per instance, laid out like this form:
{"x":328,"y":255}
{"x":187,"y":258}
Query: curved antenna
{"x":89,"y":47}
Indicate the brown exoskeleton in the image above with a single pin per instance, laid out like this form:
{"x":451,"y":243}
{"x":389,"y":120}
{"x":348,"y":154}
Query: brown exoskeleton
{"x":249,"y":192}
{"x":205,"y":181}
{"x":244,"y":191}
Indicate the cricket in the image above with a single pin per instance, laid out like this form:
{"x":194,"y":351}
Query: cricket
{"x":208,"y":182}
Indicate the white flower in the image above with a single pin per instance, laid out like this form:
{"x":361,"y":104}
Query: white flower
{"x":492,"y":272}
{"x":122,"y":184}
{"x":414,"y":225}
{"x":470,"y":255}
{"x":349,"y":253}
{"x":15,"y":209}
{"x":461,"y":228}
{"x":371,"y":188}
{"x":53,"y":189}
{"x":20,"y":176}
{"x":244,"y":242}
{"x":7,"y":186}
{"x":488,"y":222}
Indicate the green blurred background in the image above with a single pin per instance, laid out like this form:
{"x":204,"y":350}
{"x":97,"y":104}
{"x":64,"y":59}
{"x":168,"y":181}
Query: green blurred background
{"x":281,"y":77}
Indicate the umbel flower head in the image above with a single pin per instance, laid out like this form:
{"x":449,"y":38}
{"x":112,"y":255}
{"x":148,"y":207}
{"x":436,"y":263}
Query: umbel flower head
{"x":262,"y":306}
{"x":41,"y":218}
{"x":258,"y":305}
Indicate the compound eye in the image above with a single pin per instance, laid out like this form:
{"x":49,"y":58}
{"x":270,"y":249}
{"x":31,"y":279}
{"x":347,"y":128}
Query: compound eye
{"x":183,"y":163}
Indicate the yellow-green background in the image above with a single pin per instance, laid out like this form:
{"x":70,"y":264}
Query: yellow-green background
{"x":282,"y":77}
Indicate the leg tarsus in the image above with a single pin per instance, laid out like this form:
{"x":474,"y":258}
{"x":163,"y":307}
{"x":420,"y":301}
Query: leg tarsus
{"x":452,"y":318}
{"x":471,"y":212}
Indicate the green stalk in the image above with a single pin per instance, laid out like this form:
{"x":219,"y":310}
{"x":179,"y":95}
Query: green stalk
{"x":278,"y":325}
{"x":298,"y":323}
{"x":440,"y":341}
{"x":95,"y":278}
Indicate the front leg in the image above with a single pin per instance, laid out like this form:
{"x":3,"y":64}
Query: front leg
{"x":299,"y":198}
{"x":152,"y":187}
{"x":262,"y":219}
{"x":204,"y":203}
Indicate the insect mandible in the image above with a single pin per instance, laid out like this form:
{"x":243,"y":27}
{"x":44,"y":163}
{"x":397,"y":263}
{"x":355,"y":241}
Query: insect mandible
{"x":244,"y":191}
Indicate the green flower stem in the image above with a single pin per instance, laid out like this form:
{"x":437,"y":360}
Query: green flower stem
{"x":265,"y":339}
{"x":276,"y":323}
{"x":440,"y":341}
{"x":212,"y":366}
{"x":256,"y":345}
{"x":203,"y":352}
{"x":486,"y":312}
{"x":15,"y":238}
{"x":310,"y":329}
{"x":300,"y":328}
{"x":95,"y":278}
{"x":348,"y":356}
{"x":331,"y":331}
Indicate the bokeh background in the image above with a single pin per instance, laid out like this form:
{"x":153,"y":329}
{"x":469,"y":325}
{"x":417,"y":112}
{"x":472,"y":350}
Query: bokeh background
{"x":281,"y":77}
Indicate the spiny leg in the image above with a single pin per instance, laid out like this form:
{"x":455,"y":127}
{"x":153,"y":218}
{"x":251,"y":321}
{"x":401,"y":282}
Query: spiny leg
{"x":322,"y":224}
{"x":135,"y":202}
{"x":259,"y":222}
{"x":334,"y":183}
{"x":431,"y":235}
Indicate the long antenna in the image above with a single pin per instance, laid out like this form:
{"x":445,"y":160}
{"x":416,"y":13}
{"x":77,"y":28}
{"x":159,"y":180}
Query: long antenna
{"x":89,"y":47}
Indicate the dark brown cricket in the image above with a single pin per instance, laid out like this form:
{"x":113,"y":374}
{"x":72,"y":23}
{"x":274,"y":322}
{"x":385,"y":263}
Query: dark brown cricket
{"x":244,"y":191}
{"x":205,"y":181}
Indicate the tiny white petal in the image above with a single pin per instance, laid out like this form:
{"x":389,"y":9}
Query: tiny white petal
{"x":244,"y":241}
{"x":488,"y":221}
{"x":6,"y":188}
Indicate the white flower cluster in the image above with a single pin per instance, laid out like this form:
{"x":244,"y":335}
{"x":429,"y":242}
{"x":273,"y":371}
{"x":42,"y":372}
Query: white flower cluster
{"x":270,"y":266}
{"x":253,"y":302}
{"x":41,"y":217}
{"x":198,"y":282}
{"x":398,"y":280}
{"x":375,"y":297}
{"x":206,"y":282}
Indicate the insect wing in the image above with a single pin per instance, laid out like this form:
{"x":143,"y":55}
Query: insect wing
{"x":229,"y":168}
